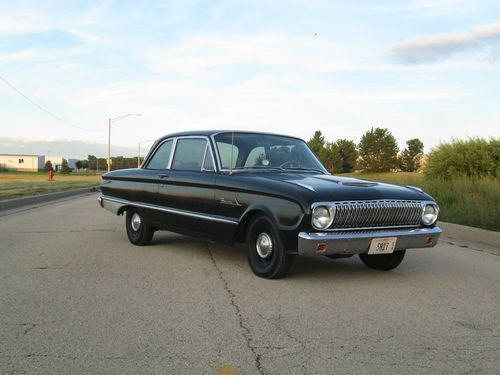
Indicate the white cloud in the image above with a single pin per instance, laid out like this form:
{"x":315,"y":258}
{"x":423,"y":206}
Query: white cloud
{"x":203,"y":52}
{"x":19,"y":56}
{"x":434,"y":47}
{"x":22,"y":22}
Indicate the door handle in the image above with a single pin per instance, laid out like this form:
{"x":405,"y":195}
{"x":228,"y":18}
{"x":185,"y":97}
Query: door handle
{"x":163,"y":176}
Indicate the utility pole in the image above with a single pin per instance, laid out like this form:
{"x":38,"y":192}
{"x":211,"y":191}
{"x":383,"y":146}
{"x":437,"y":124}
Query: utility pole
{"x":138,"y":154}
{"x":109,"y":133}
{"x":109,"y":144}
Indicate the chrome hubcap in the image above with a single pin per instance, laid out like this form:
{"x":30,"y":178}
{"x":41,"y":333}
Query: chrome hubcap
{"x":264,"y":245}
{"x":135,"y":221}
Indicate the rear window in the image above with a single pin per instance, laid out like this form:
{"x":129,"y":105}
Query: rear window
{"x":161,"y":157}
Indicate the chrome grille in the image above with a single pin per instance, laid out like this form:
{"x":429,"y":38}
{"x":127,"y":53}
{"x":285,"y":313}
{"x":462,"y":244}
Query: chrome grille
{"x":373,"y":214}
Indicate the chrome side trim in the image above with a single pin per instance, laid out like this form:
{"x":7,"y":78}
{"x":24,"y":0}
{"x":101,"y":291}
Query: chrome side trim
{"x":124,"y":202}
{"x":359,"y":242}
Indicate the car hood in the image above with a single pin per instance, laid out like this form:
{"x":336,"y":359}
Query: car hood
{"x":335,"y":188}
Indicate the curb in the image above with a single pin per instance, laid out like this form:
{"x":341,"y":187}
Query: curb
{"x":9,"y":204}
{"x":471,"y":234}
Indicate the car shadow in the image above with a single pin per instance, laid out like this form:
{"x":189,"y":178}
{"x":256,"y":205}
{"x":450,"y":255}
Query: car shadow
{"x":304,"y":267}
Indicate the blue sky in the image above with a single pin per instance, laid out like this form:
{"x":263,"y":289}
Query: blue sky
{"x":427,"y":69}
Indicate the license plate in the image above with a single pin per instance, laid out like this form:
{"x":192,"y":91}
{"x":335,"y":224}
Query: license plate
{"x":384,"y":245}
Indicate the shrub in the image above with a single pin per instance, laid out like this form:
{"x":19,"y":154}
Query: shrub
{"x":475,"y":157}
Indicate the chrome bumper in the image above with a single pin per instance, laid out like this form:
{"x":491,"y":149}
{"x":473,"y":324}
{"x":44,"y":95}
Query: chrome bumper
{"x":110,"y":204}
{"x":348,"y":243}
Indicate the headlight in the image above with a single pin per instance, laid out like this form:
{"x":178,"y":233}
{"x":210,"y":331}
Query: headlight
{"x":430,"y":214}
{"x":322,"y":217}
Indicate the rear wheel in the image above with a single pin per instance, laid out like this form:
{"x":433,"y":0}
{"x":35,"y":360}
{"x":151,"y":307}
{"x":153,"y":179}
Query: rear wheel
{"x":383,"y":262}
{"x":138,"y":232}
{"x":266,"y":255}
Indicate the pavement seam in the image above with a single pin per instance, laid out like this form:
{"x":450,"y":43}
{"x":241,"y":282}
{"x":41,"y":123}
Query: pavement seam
{"x":464,"y":246}
{"x":245,"y":330}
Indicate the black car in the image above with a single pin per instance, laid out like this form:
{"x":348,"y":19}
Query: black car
{"x":270,"y":192}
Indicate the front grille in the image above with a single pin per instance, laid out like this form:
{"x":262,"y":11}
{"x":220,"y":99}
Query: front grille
{"x":373,"y":214}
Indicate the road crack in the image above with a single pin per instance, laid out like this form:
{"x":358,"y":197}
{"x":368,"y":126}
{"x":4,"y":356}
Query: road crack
{"x":244,"y":329}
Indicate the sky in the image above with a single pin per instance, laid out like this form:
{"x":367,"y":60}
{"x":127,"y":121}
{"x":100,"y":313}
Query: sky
{"x":423,"y":68}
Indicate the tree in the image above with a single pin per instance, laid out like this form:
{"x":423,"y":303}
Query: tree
{"x":48,"y":165}
{"x":79,"y":164}
{"x":378,"y":150}
{"x":411,"y":155}
{"x":92,"y":165}
{"x":348,"y":155}
{"x":65,"y":169}
{"x":330,"y":157}
{"x":317,"y":142}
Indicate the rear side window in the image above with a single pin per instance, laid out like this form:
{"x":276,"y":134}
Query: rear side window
{"x":189,"y":154}
{"x":161,"y":157}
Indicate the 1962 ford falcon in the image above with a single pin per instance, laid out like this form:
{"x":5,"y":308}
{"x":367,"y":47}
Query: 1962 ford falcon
{"x":270,"y":192}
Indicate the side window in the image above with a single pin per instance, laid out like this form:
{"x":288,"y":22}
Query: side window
{"x":255,"y":157}
{"x":189,"y":154}
{"x":225,"y":150}
{"x":208,"y":165}
{"x":161,"y":157}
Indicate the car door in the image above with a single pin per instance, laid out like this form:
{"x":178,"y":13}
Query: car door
{"x":156,"y":168}
{"x":187,"y":189}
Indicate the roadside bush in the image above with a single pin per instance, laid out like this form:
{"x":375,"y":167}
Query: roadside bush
{"x":475,"y":157}
{"x":468,"y":201}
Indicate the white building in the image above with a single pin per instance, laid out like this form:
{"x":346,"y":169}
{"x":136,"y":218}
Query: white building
{"x":57,"y":162}
{"x":32,"y":163}
{"x":18,"y":162}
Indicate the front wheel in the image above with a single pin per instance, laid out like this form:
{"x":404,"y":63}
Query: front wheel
{"x":266,"y":255}
{"x":383,"y":262}
{"x":138,"y":232}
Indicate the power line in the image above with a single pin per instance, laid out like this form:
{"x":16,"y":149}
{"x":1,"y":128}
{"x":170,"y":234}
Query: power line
{"x":42,"y":108}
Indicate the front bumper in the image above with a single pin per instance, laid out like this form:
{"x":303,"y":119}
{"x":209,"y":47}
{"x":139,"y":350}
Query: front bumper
{"x":358,"y":242}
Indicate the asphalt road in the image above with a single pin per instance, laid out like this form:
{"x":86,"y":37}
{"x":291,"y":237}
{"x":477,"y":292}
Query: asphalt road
{"x":77,"y":297}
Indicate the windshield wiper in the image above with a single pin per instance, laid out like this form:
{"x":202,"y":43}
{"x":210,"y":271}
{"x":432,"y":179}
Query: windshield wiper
{"x":307,"y":169}
{"x":263,"y":167}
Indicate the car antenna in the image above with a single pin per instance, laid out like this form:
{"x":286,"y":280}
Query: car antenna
{"x":232,"y":147}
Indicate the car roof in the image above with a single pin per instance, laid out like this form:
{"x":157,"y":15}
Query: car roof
{"x":209,"y":133}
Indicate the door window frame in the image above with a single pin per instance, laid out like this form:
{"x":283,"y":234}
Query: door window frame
{"x":208,"y":146}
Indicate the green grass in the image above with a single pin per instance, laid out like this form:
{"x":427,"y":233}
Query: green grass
{"x":468,"y":201}
{"x":18,"y":184}
{"x":400,"y":178}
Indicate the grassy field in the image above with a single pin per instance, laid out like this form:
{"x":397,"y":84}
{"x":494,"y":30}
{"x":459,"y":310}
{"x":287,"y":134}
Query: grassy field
{"x":467,"y":201}
{"x":17,"y":184}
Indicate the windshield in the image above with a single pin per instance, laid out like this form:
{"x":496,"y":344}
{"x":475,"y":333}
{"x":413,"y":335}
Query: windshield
{"x":265,"y":151}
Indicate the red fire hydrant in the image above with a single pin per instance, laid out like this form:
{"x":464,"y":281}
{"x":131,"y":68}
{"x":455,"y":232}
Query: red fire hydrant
{"x":51,"y":174}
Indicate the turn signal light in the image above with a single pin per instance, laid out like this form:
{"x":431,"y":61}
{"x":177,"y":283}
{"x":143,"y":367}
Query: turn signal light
{"x":321,"y":248}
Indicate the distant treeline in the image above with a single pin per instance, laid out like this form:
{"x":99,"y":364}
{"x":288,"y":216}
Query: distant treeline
{"x":377,"y":151}
{"x":117,"y":162}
